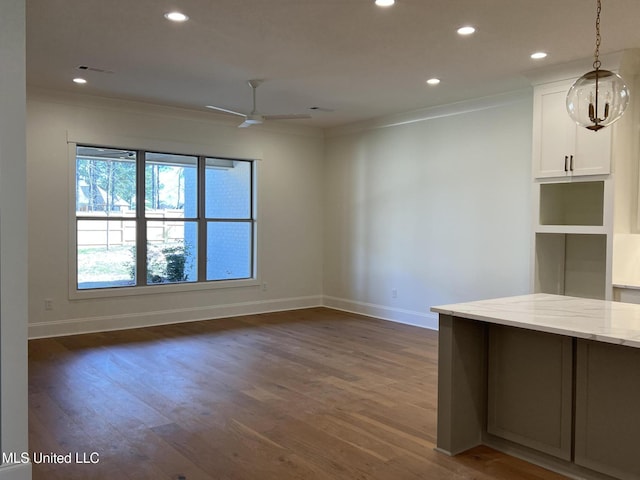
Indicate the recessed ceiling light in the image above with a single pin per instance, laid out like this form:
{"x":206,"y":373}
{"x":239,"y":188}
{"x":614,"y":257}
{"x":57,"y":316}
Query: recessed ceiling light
{"x":79,"y":80}
{"x":466,"y":30}
{"x":538,"y":55}
{"x":385,"y":3}
{"x":176,"y":17}
{"x":433,"y":81}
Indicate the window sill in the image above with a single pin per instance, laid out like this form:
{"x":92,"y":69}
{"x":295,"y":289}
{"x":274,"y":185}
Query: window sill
{"x":75,"y":294}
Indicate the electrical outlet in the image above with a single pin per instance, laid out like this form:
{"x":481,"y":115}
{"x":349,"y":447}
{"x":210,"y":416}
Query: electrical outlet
{"x":48,"y":304}
{"x":264,"y":286}
{"x":394,"y":293}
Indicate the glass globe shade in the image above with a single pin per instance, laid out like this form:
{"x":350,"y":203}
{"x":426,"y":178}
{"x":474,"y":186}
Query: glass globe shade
{"x":597,"y":99}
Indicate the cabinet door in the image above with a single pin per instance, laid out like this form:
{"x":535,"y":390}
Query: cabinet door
{"x":554,"y":134}
{"x":592,"y":152}
{"x":530,"y":389}
{"x":607,"y":432}
{"x":560,"y":147}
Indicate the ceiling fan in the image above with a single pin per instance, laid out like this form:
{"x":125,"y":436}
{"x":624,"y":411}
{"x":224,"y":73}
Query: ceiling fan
{"x":255,"y":117}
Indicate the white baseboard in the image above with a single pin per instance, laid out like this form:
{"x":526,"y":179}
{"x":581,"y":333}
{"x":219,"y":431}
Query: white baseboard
{"x":76,"y":326}
{"x":19,"y":471}
{"x":409,"y":317}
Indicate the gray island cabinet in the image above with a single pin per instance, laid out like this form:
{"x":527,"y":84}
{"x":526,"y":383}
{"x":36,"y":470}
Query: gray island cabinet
{"x":548,"y":378}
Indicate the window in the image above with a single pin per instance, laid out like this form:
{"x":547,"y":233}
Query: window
{"x":150,"y":218}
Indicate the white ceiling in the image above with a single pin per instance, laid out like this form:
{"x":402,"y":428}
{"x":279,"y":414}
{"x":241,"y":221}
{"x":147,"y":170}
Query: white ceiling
{"x":349,"y":56}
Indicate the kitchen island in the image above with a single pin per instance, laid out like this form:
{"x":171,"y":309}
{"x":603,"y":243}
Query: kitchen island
{"x":549,"y":378}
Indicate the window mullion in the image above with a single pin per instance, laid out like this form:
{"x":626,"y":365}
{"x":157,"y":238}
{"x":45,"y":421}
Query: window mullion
{"x":141,"y":221}
{"x":252,"y":217}
{"x":202,"y":221}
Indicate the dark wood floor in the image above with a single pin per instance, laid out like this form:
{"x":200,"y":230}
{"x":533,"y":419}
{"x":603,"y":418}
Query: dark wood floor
{"x":308,"y":394}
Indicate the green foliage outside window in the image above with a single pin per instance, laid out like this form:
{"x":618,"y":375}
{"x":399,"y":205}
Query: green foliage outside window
{"x":164,"y":264}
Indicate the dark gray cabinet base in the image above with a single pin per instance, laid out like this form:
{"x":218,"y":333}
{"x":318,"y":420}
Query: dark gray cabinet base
{"x":530,"y":389}
{"x":568,"y":404}
{"x":608,"y":409}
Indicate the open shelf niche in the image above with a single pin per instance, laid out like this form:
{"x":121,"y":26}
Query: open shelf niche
{"x":571,"y":264}
{"x":575,"y":203}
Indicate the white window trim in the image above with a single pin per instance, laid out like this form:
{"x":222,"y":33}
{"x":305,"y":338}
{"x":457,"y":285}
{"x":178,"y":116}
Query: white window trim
{"x":224,"y":151}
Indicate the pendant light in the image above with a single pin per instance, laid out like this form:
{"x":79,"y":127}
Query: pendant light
{"x":599,"y":97}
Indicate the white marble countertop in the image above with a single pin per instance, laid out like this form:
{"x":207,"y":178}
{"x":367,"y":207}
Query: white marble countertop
{"x":600,"y":320}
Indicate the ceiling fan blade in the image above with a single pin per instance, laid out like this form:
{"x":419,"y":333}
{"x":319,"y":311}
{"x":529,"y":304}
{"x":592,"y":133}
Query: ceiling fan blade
{"x":255,"y":117}
{"x":293,"y":116}
{"x":225,"y":110}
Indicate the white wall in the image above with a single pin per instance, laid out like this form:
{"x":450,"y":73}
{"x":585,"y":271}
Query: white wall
{"x":13,"y":240}
{"x":626,"y":211}
{"x":433,"y":204}
{"x":289,"y":209}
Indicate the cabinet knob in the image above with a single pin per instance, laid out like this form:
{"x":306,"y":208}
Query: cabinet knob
{"x":571,"y":163}
{"x":566,"y":168}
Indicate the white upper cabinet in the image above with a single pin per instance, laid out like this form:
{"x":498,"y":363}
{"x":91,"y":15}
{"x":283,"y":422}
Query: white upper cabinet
{"x":560,"y":147}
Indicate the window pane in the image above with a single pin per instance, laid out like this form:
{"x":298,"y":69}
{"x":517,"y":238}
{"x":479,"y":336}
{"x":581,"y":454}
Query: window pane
{"x":106,"y":199}
{"x":106,"y":253}
{"x":229,"y":250}
{"x":228,"y":188}
{"x":172,"y":252}
{"x":105,"y":181}
{"x":171,"y":186}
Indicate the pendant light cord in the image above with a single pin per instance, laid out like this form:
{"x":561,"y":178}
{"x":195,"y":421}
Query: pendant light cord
{"x":596,"y":62}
